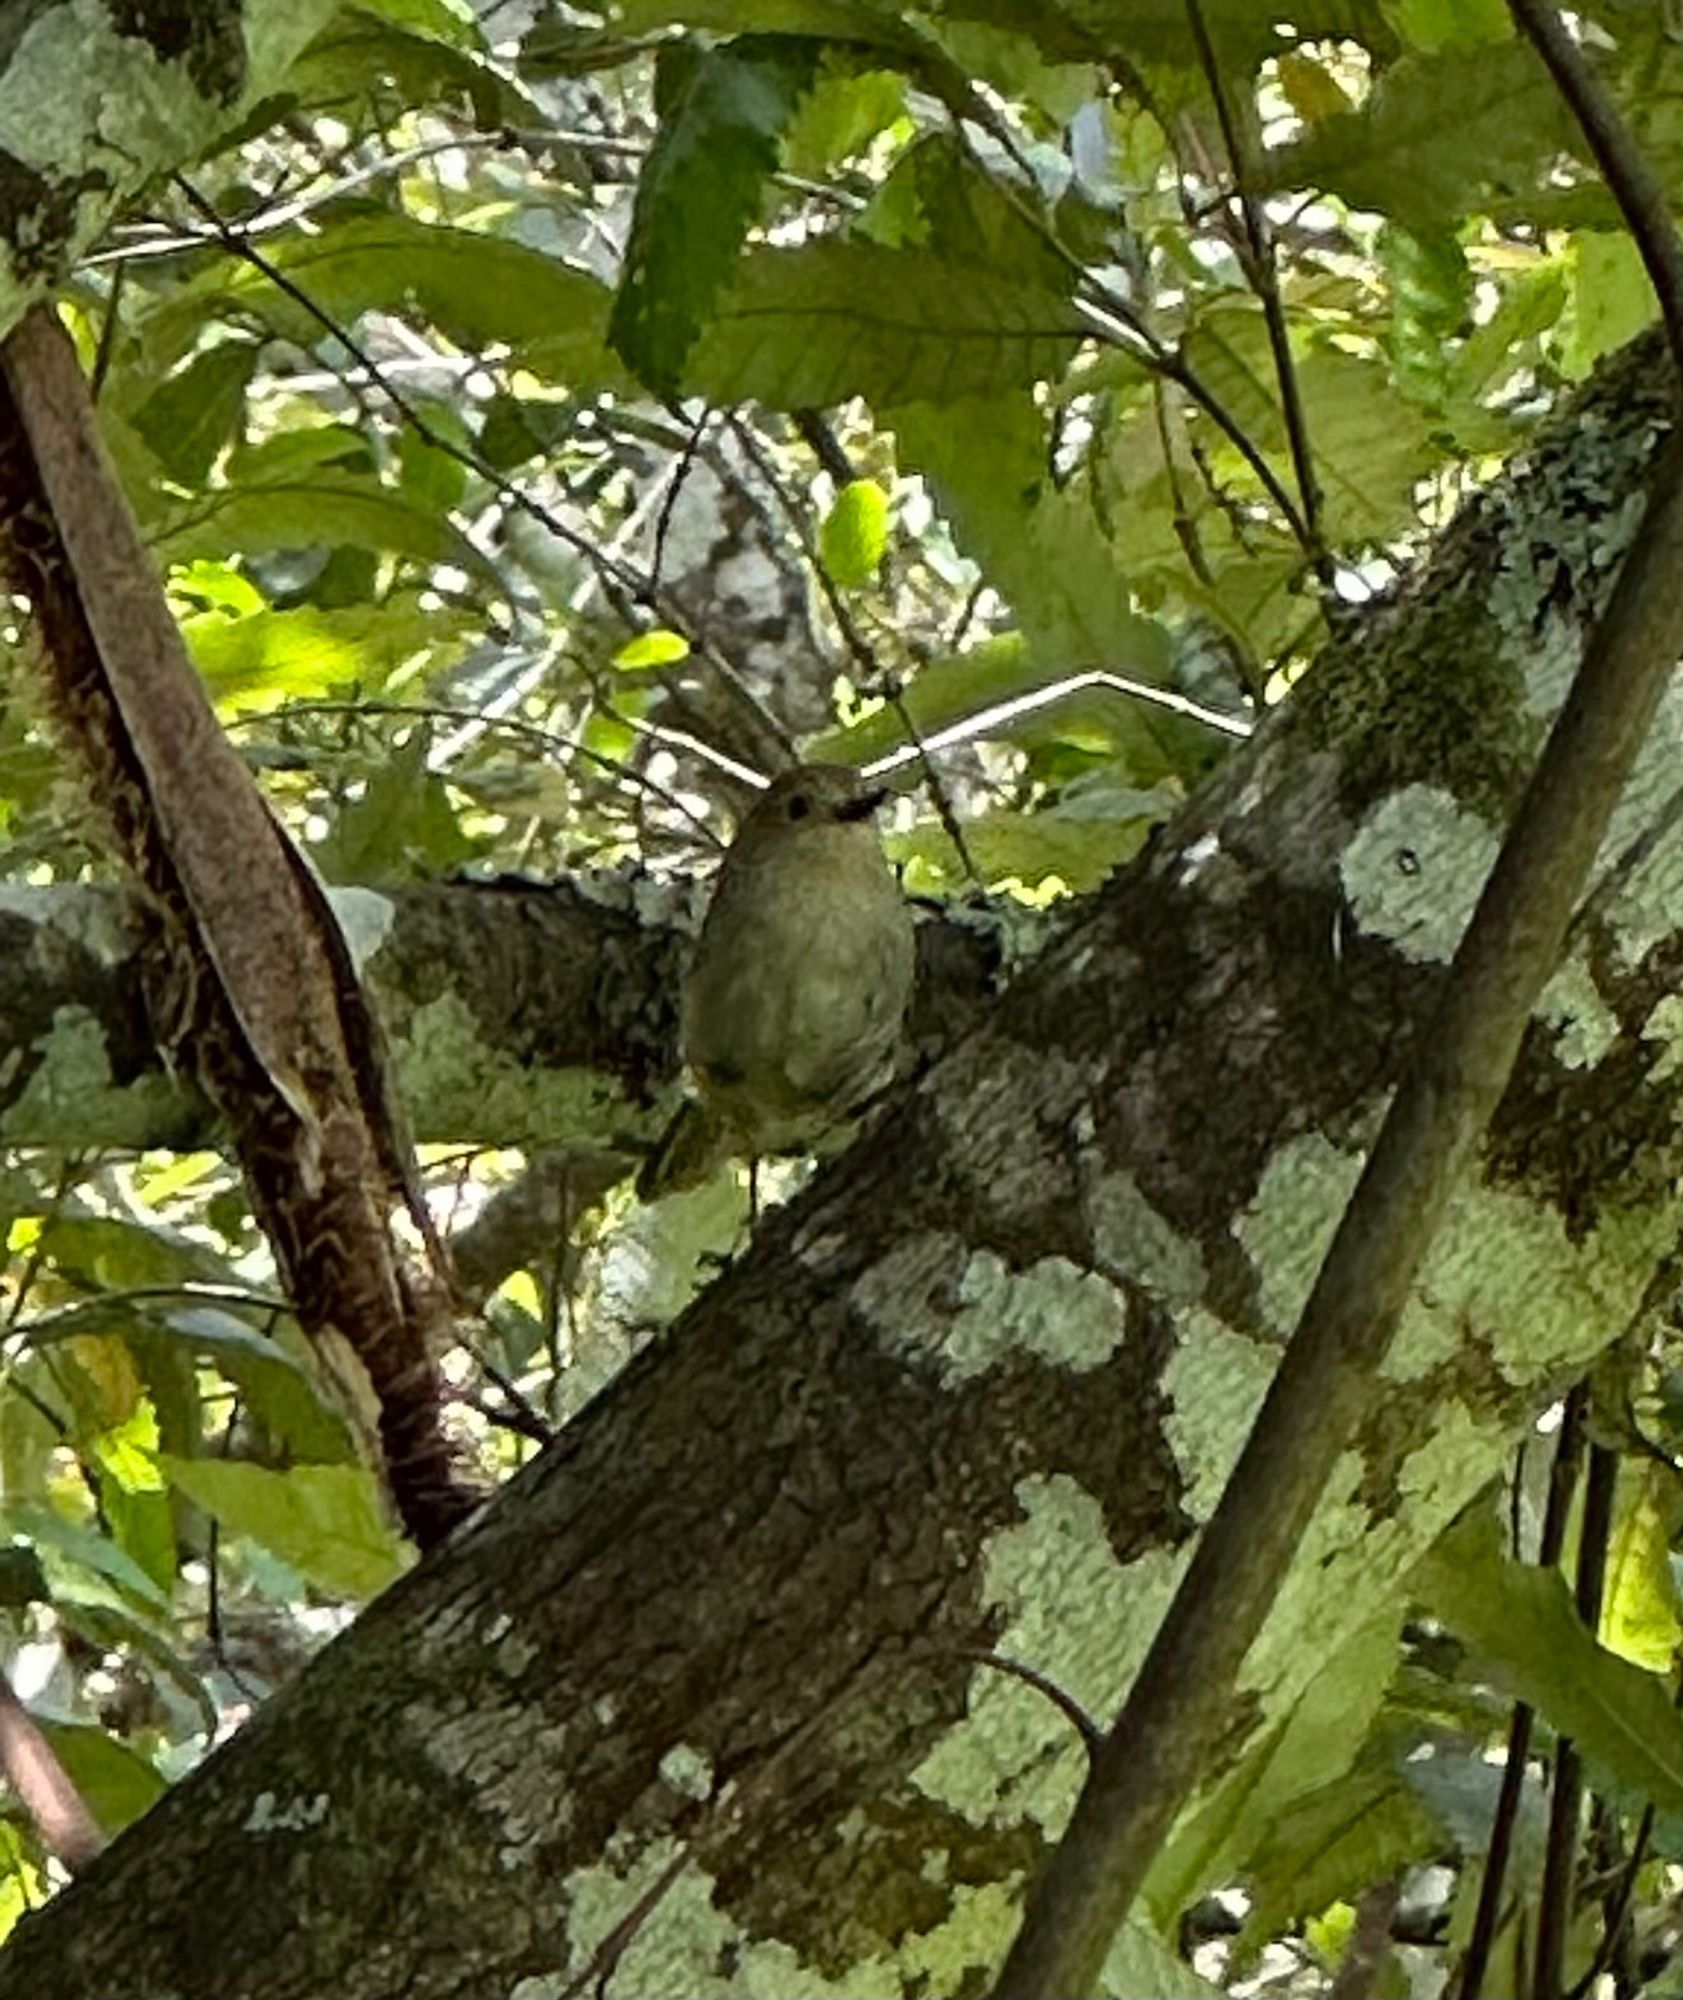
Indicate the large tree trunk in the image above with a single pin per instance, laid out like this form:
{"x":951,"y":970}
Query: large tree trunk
{"x":729,"y":1693}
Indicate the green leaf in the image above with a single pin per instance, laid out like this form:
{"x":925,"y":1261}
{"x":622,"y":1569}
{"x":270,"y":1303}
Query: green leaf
{"x":1153,"y":744}
{"x":966,"y":216}
{"x":1611,"y":299}
{"x":420,"y":56}
{"x":1522,"y":1621}
{"x":825,"y":20}
{"x":809,"y":327}
{"x":1030,"y":848}
{"x":325,"y":1520}
{"x":854,"y":534}
{"x":1141,"y":1962}
{"x":1316,"y":1746}
{"x":403,"y":828}
{"x":1532,"y":304}
{"x":1312,"y":90}
{"x":1045,"y":550}
{"x":474,"y":287}
{"x":116,"y":1784}
{"x":1436,"y":134}
{"x":652,"y":649}
{"x":326,"y":510}
{"x":187,"y":420}
{"x":840,"y":116}
{"x":83,"y":1567}
{"x":253,"y":661}
{"x":1431,"y":299}
{"x":1336,"y":1842}
{"x":279,"y":1394}
{"x":722,"y":113}
{"x":1440,"y":24}
{"x":1640,"y":1617}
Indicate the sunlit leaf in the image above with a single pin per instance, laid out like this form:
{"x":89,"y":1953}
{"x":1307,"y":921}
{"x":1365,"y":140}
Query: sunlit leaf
{"x":325,"y":1520}
{"x":854,"y":534}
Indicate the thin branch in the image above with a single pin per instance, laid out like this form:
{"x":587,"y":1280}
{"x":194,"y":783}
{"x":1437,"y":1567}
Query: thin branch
{"x":1257,"y":258}
{"x":511,"y":725}
{"x":1635,"y":186}
{"x":1557,"y":1508}
{"x":880,"y":678}
{"x":986,"y":720}
{"x":1558,"y":1897}
{"x":1183,"y":1698}
{"x":1108,"y":310}
{"x":624,"y":588}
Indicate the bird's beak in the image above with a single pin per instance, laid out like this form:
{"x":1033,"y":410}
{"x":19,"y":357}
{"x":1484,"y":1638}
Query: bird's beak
{"x":863,"y":805}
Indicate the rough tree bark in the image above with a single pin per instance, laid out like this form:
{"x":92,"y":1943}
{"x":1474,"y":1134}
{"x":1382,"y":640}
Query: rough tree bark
{"x":519,"y":1013}
{"x":724,"y":1695}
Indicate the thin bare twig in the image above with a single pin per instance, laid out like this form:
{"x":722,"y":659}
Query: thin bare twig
{"x":624,"y":588}
{"x":1563,"y":1479}
{"x":1256,"y":257}
{"x":883,"y":679}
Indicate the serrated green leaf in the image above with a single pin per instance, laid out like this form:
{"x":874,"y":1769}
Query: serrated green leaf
{"x":187,"y":420}
{"x":809,"y":327}
{"x":854,"y":534}
{"x":840,"y":116}
{"x":967,"y":217}
{"x":1436,"y":134}
{"x":325,"y":1520}
{"x":723,"y":112}
{"x":1521,"y":1620}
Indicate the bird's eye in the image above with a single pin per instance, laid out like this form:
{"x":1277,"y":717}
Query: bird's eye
{"x":799,"y":806}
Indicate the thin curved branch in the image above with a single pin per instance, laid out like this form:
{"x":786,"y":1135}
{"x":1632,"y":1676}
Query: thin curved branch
{"x":1635,"y":186}
{"x":1256,"y":250}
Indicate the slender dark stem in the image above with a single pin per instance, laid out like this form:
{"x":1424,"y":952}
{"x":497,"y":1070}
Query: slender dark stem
{"x":1560,"y":1855}
{"x":1563,"y":1478}
{"x":1635,"y":186}
{"x":1257,"y":256}
{"x":1185,"y":1698}
{"x":622,"y":586}
{"x":825,"y":446}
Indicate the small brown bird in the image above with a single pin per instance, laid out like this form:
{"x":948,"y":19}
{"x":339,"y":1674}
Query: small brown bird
{"x":796,"y":999}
